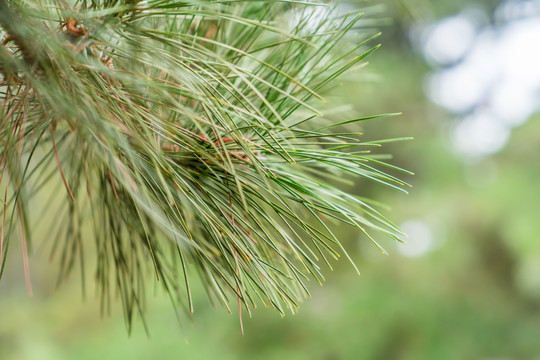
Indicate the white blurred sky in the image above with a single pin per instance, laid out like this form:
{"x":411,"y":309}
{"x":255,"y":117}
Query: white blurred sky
{"x":487,"y":75}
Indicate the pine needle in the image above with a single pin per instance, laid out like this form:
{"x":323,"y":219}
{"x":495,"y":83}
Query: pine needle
{"x":191,"y":136}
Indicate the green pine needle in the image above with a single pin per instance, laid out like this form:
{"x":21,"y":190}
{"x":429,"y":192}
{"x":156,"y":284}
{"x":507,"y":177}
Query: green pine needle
{"x":187,"y":139}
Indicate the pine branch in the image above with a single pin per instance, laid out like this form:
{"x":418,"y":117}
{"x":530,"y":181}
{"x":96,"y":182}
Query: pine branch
{"x":186,"y":134}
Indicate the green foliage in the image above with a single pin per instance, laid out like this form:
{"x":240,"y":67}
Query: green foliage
{"x":187,"y":137}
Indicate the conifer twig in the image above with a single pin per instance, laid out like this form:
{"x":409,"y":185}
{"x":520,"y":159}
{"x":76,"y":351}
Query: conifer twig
{"x":189,"y":135}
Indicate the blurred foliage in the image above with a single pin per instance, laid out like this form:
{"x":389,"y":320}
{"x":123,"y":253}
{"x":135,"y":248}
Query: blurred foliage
{"x":475,"y":295}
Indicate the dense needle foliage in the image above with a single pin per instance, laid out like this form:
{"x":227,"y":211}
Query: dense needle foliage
{"x":186,"y":138}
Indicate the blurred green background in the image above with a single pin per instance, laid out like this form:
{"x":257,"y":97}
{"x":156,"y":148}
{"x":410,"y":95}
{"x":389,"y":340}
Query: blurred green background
{"x":467,"y":284}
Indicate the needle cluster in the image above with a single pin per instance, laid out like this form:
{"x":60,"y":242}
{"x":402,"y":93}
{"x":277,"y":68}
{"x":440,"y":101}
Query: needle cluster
{"x":186,"y":139}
